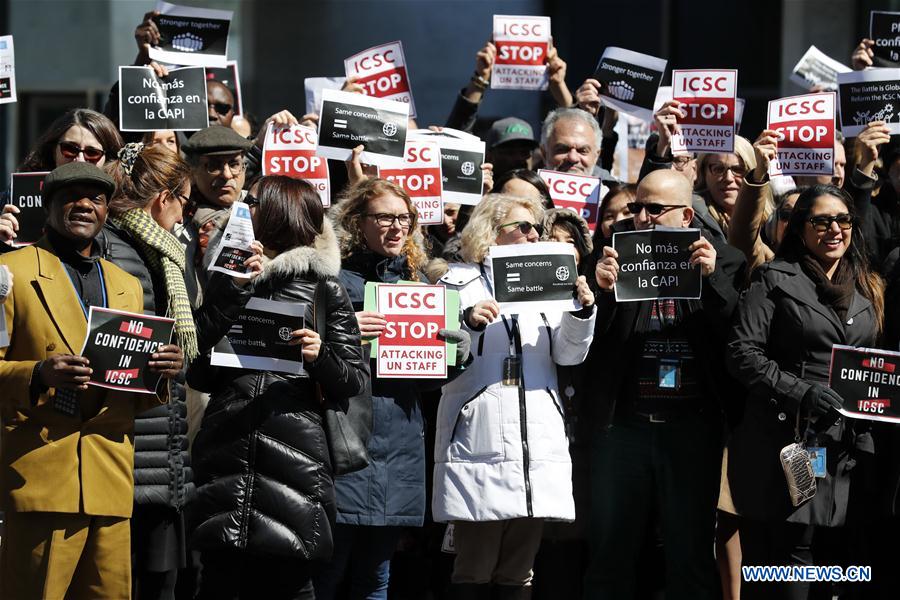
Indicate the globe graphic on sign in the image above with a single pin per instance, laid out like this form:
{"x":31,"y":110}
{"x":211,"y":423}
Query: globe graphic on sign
{"x":389,"y":129}
{"x":562,"y":273}
{"x":285,"y":333}
{"x":468,"y":168}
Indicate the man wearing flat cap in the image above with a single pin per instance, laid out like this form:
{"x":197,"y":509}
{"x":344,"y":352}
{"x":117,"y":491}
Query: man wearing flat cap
{"x":67,"y":454}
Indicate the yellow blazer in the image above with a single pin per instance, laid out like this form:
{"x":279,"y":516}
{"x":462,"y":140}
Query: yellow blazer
{"x":49,"y":461}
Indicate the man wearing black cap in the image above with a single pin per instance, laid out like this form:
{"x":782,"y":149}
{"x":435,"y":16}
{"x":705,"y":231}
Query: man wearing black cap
{"x":510,"y":144}
{"x":67,"y":449}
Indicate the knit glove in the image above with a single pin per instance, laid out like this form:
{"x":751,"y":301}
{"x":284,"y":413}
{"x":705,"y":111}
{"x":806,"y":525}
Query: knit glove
{"x":820,"y":399}
{"x":463,"y":343}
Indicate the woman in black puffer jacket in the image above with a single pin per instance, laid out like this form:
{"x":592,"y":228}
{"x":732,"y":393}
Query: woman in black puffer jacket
{"x":265,"y":503}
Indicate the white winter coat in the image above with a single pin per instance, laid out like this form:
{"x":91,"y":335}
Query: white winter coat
{"x":488,"y":466}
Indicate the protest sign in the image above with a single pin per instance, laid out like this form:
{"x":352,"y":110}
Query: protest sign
{"x":884,"y":30}
{"x":629,"y":80}
{"x":534,"y":277}
{"x":291,"y":151}
{"x":234,"y":247}
{"x":119,"y":345}
{"x":805,"y":125}
{"x":462,"y":155}
{"x":708,"y":100}
{"x":176,"y":102}
{"x":655,"y":263}
{"x":579,"y":193}
{"x":870,"y":95}
{"x":229,"y":77}
{"x":347,"y":120}
{"x":381,"y":71}
{"x":7,"y":70}
{"x":421,"y":178}
{"x":739,"y":104}
{"x":313,"y":87}
{"x":259,"y":338}
{"x":815,"y":68}
{"x":191,"y":36}
{"x":523,"y":44}
{"x":25,"y":194}
{"x":869,"y":382}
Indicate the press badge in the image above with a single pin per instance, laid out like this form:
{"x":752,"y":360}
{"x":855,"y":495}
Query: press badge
{"x":512,"y":371}
{"x":669,"y":374}
{"x":817,"y":458}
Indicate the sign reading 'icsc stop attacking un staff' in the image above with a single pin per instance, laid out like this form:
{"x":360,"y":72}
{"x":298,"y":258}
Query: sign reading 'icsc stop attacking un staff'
{"x":656,"y":264}
{"x":534,"y":277}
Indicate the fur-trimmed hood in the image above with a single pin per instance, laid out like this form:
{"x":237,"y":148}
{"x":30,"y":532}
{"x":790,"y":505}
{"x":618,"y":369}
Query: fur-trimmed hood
{"x":553,"y":215}
{"x":322,"y":258}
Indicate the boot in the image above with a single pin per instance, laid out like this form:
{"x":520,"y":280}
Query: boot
{"x":470,"y":591}
{"x":513,"y":592}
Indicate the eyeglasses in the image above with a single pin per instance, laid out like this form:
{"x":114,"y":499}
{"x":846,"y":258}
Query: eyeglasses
{"x":524,"y":227}
{"x":185,"y":200}
{"x":250,"y":200}
{"x":221,"y":107}
{"x":784,"y":214}
{"x":405,"y":220}
{"x":679,"y":163}
{"x":822,"y":223}
{"x":71,"y":151}
{"x":653,"y":209}
{"x":719,"y":170}
{"x":217,"y":167}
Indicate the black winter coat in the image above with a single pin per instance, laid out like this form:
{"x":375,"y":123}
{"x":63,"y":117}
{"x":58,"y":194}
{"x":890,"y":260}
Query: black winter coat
{"x":162,"y":463}
{"x":261,"y":456}
{"x":780,"y":342}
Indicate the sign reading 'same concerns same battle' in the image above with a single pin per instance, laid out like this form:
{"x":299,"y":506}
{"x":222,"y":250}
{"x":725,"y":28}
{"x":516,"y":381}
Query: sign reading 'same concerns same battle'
{"x":534,"y":277}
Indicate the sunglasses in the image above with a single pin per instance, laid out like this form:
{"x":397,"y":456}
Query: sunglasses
{"x":250,"y":200}
{"x":71,"y":151}
{"x":653,"y":209}
{"x":221,"y":107}
{"x":822,"y":223}
{"x":524,"y":227}
{"x":719,"y":170}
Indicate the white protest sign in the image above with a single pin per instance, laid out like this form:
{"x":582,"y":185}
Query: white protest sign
{"x":461,"y":160}
{"x":191,"y":36}
{"x":291,"y":151}
{"x":629,"y":81}
{"x":409,"y":347}
{"x":579,"y":193}
{"x":260,"y":337}
{"x":7,"y":70}
{"x":420,"y":176}
{"x":538,"y":277}
{"x":870,"y":95}
{"x":347,"y":120}
{"x":313,"y":87}
{"x":234,"y":246}
{"x":522,"y":46}
{"x":739,"y":104}
{"x":708,"y":102}
{"x":805,"y":125}
{"x":381,"y":71}
{"x":815,"y":68}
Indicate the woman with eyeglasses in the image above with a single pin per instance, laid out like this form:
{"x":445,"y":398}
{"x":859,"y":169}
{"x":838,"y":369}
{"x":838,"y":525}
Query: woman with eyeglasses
{"x":502,"y":461}
{"x":817,"y":292}
{"x":719,"y":178}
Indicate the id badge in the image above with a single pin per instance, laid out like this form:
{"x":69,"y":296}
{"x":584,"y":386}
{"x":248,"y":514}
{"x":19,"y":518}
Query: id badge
{"x":669,"y":375}
{"x":817,"y":458}
{"x":512,"y":371}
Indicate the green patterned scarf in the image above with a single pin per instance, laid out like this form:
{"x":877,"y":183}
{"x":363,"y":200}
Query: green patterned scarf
{"x":165,"y":256}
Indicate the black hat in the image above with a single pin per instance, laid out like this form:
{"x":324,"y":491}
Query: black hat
{"x":76,"y":172}
{"x":216,"y":140}
{"x":510,"y":129}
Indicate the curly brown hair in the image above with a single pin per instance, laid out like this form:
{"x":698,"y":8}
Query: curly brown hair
{"x":352,"y":208}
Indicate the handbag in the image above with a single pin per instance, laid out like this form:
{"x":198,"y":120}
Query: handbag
{"x":798,"y":471}
{"x":348,"y":421}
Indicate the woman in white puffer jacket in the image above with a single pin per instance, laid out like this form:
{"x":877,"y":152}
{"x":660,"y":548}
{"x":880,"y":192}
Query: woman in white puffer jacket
{"x":502,"y":460}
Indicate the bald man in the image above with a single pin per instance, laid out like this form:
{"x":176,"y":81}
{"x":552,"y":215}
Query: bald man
{"x":657,"y":427}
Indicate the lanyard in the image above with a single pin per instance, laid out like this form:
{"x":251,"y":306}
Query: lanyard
{"x":487,"y":280}
{"x":512,"y":333}
{"x":77,"y":295}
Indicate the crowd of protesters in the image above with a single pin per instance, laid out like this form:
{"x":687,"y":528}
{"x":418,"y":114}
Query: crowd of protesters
{"x":594,"y":480}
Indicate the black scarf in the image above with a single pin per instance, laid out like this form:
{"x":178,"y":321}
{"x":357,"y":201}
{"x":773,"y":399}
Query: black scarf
{"x":836,"y":292}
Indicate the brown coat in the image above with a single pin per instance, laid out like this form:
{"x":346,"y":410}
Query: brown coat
{"x":49,"y":461}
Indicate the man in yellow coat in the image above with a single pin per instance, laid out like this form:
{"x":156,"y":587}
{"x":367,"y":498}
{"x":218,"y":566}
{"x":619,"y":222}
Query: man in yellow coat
{"x":66,"y":448}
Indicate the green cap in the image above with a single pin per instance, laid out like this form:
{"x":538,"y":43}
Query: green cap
{"x":510,"y":129}
{"x":216,"y":140}
{"x":77,"y":172}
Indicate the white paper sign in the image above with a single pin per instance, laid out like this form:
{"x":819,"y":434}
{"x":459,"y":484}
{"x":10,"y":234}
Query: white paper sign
{"x":313,"y":87}
{"x":234,"y":246}
{"x":629,"y":81}
{"x":815,"y":68}
{"x":420,"y":176}
{"x":537,"y":277}
{"x":259,"y":338}
{"x":805,"y":125}
{"x":347,"y":120}
{"x":522,"y":46}
{"x":7,"y":70}
{"x":578,"y":193}
{"x":192,"y":36}
{"x":382,"y":73}
{"x":409,"y":347}
{"x":291,"y":151}
{"x":708,"y":100}
{"x":870,"y":95}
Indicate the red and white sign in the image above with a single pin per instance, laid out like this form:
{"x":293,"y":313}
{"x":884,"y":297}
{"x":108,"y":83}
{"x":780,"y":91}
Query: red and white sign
{"x":522,"y":47}
{"x":291,"y":151}
{"x":805,"y":125}
{"x":409,"y":346}
{"x":709,"y":98}
{"x":421,"y":178}
{"x":382,"y":73}
{"x":579,"y":193}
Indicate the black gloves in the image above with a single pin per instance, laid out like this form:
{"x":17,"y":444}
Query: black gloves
{"x":820,"y":399}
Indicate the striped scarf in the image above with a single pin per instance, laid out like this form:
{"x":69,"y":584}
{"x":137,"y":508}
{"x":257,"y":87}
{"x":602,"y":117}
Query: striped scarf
{"x":165,"y":256}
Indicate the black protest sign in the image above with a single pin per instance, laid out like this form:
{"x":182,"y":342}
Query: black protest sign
{"x":629,"y":81}
{"x":119,"y":345}
{"x":884,"y":30}
{"x":176,"y":102}
{"x":25,"y":194}
{"x":656,"y":264}
{"x":462,"y":175}
{"x":191,"y":36}
{"x":259,"y":338}
{"x":870,"y":95}
{"x":869,"y":382}
{"x":534,"y":277}
{"x":347,"y":120}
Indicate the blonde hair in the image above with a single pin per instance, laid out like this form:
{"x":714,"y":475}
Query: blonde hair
{"x":743,"y":149}
{"x":481,"y":231}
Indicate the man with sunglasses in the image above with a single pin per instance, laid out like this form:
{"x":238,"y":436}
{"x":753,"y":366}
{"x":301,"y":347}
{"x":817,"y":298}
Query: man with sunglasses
{"x":658,"y":409}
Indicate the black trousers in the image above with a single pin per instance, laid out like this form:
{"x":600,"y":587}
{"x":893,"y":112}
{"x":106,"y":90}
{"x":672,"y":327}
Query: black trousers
{"x":775,"y":544}
{"x":639,"y":468}
{"x":236,"y":575}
